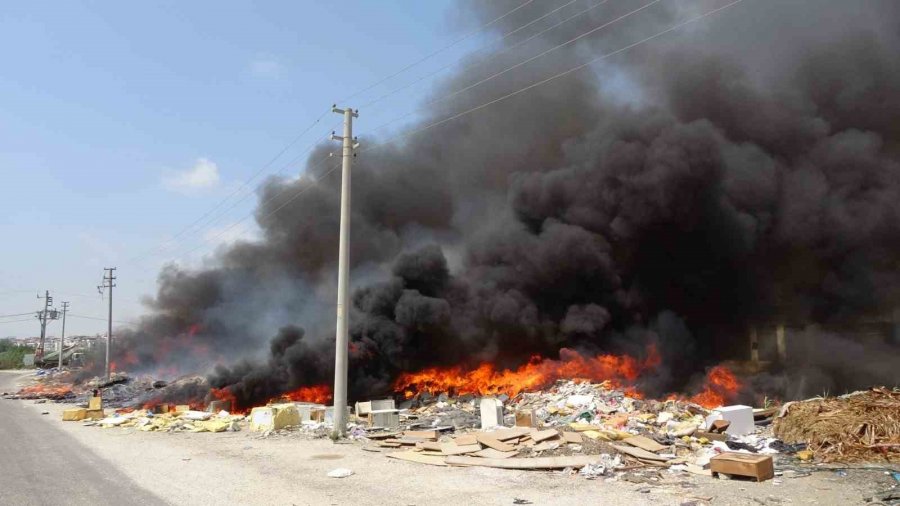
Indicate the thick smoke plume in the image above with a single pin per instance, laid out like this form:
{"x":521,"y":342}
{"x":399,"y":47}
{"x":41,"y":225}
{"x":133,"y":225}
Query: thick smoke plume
{"x":739,"y":173}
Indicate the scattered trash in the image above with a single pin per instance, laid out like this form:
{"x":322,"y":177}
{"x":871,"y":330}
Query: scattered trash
{"x":340,"y":473}
{"x":588,"y":430}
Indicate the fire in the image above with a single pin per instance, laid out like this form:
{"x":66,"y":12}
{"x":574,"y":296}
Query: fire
{"x":224,"y":394}
{"x":319,"y":394}
{"x":538,"y":373}
{"x":40,"y":391}
{"x":721,"y":386}
{"x":616,"y":371}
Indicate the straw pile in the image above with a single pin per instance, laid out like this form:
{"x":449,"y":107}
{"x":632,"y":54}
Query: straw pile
{"x":863,"y":426}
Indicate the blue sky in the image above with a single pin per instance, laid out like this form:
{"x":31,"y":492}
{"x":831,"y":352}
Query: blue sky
{"x":121,"y":123}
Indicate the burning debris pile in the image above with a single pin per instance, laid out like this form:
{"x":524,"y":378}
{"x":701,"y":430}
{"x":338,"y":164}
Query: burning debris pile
{"x":862,"y":426}
{"x":594,"y":429}
{"x":684,"y":197}
{"x":579,"y":425}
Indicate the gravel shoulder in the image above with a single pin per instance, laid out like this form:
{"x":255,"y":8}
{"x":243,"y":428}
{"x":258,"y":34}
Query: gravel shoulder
{"x":242,"y":468}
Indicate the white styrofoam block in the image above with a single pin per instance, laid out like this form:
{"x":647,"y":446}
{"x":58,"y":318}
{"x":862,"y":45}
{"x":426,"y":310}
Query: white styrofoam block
{"x":491,"y":412}
{"x":576,"y":401}
{"x":740,"y":416}
{"x":378,"y":405}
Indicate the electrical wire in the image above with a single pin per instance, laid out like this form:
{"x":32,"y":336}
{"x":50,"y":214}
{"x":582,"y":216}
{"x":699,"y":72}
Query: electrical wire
{"x":101,"y":319}
{"x":17,"y":314}
{"x":435,"y":53}
{"x":457,"y":92}
{"x":190,"y":226}
{"x":17,"y":321}
{"x":243,"y":185}
{"x":549,"y":79}
{"x":482,"y":106}
{"x":312,"y":181}
{"x":495,"y":55}
{"x":513,"y":67}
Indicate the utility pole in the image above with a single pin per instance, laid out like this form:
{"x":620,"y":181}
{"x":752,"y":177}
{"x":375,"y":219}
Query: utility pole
{"x":343,"y":313}
{"x":43,"y":315}
{"x":108,"y":282}
{"x":62,"y":337}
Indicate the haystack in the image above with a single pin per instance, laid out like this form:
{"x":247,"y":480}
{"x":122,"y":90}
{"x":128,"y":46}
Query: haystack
{"x":862,"y":426}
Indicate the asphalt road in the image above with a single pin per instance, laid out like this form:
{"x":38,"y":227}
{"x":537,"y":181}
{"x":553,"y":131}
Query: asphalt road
{"x":42,"y":465}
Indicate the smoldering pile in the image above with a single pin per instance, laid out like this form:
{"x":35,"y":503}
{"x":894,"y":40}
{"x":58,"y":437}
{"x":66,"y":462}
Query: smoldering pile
{"x":679,"y":195}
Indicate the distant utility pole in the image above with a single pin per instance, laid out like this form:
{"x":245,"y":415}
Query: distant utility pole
{"x":343,"y":314}
{"x":108,"y":282}
{"x":62,"y":337}
{"x":43,"y":315}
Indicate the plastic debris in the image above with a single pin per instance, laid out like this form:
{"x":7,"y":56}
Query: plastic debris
{"x":340,"y":473}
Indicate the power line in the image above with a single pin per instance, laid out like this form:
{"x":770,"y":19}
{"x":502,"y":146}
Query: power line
{"x":495,"y":55}
{"x":517,"y":65}
{"x":446,"y":97}
{"x":551,"y":78}
{"x":190,"y":226}
{"x":263,"y":203}
{"x":476,"y":108}
{"x":312,"y":182}
{"x":17,"y":314}
{"x":435,"y":53}
{"x":248,"y":194}
{"x":243,"y":185}
{"x":101,"y":319}
{"x":17,"y":321}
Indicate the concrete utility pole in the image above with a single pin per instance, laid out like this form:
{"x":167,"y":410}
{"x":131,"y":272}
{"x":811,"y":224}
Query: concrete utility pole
{"x":62,"y":337}
{"x":43,"y":315}
{"x":343,"y":313}
{"x":108,"y":279}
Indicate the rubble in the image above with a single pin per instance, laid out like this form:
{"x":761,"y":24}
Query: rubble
{"x":591,"y":430}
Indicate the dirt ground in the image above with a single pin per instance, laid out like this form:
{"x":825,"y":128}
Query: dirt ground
{"x":242,"y":468}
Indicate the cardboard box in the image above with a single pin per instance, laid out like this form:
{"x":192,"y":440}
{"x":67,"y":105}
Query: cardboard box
{"x":274,"y":417}
{"x":95,"y":403}
{"x":526,"y":418}
{"x":160,"y":409}
{"x":94,"y":414}
{"x":759,"y":467}
{"x":74,"y":415}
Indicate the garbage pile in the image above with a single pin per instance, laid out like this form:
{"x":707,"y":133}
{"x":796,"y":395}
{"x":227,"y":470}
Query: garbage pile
{"x":861,"y":426}
{"x":121,"y":390}
{"x":596,"y":428}
{"x":593,"y":429}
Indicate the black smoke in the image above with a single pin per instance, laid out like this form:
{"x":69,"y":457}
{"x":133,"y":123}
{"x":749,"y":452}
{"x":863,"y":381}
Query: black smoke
{"x":739,"y":173}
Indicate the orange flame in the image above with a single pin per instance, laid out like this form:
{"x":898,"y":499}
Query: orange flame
{"x":319,"y":394}
{"x":40,"y":391}
{"x":224,"y":394}
{"x":538,"y":373}
{"x":721,"y":386}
